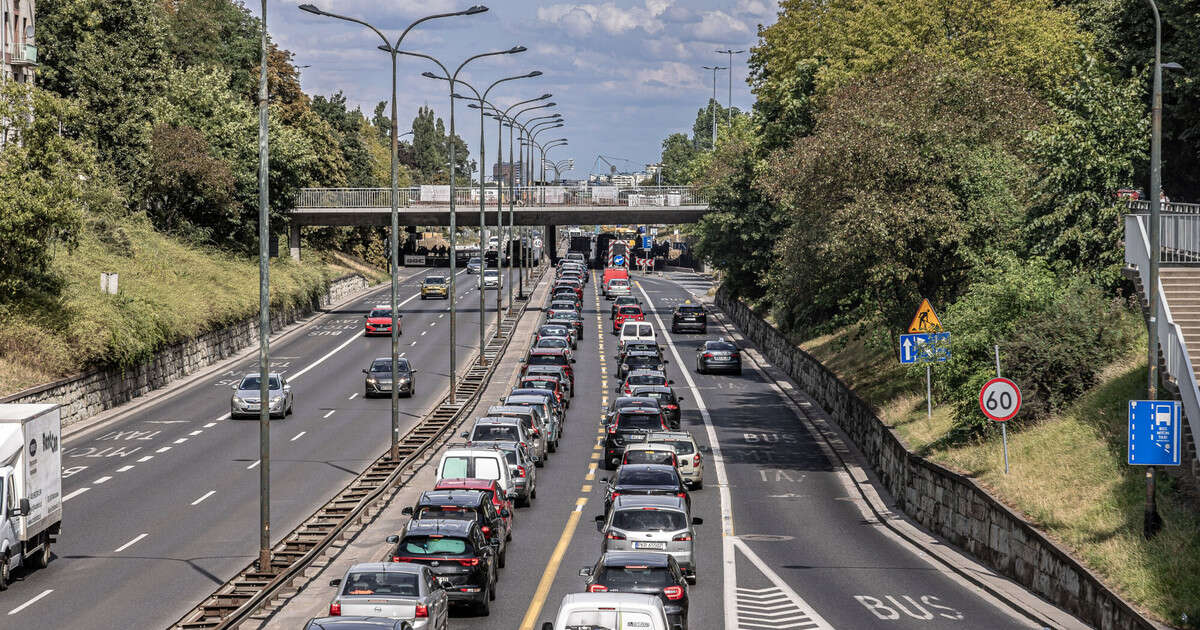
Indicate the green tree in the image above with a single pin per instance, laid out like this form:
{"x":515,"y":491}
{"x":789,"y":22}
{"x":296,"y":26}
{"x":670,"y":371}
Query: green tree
{"x":677,"y":156}
{"x":219,"y":33}
{"x":432,"y":154}
{"x":347,"y":126}
{"x":702,"y":128}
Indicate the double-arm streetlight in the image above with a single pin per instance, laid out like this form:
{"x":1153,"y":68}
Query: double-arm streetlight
{"x":714,"y":100}
{"x":394,"y":241}
{"x":731,"y":52}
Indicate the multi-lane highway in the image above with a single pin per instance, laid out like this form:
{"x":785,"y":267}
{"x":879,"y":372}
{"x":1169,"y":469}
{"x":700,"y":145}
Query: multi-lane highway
{"x":162,"y":504}
{"x":804,"y":553}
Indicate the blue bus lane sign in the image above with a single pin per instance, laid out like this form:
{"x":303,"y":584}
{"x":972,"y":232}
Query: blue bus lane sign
{"x":1154,"y":433}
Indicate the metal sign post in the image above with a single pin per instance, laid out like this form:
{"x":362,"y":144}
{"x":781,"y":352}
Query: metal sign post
{"x":1000,"y":400}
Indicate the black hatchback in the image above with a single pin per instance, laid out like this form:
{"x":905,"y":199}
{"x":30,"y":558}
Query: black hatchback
{"x":651,"y":573}
{"x":459,"y":554}
{"x":465,"y":505}
{"x":689,"y":317}
{"x":626,"y":421}
{"x":646,"y":479}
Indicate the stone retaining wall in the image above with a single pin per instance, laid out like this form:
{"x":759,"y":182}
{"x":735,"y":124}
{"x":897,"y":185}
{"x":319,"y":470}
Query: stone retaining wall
{"x":948,"y":504}
{"x":102,"y":389}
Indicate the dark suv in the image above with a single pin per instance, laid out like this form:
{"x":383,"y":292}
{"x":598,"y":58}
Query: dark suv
{"x":557,"y":357}
{"x":622,"y":423}
{"x":689,"y":317}
{"x":459,"y":554}
{"x":465,"y":505}
{"x":668,"y":401}
{"x":652,"y":573}
{"x":640,"y":360}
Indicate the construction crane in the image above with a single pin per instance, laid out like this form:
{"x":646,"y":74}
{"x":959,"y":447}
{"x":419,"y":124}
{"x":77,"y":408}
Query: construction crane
{"x":612,"y":169}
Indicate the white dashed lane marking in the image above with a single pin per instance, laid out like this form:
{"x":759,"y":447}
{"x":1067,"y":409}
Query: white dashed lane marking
{"x":299,"y":435}
{"x":31,"y":601}
{"x":75,"y":494}
{"x":102,"y":480}
{"x":206,"y":495}
{"x":131,"y":543}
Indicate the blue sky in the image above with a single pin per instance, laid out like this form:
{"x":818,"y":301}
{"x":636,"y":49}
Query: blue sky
{"x":625,"y":73}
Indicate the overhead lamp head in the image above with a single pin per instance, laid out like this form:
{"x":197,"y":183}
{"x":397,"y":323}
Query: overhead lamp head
{"x":308,"y":8}
{"x":479,"y":8}
{"x":535,"y":73}
{"x":457,"y":95}
{"x":430,"y":75}
{"x":549,"y":104}
{"x":544,"y":97}
{"x":1171,"y":65}
{"x":471,"y":105}
{"x":515,"y":49}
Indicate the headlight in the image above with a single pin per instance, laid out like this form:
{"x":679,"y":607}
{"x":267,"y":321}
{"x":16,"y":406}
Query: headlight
{"x":238,"y":401}
{"x":403,"y":379}
{"x":275,"y":399}
{"x":371,"y":380}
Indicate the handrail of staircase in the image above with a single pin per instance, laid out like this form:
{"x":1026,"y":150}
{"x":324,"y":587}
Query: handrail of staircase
{"x":1174,"y":347}
{"x":1181,"y":208}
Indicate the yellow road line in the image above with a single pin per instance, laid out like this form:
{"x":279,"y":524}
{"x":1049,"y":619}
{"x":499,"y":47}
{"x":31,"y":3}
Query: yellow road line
{"x":587,"y":487}
{"x":543,"y":589}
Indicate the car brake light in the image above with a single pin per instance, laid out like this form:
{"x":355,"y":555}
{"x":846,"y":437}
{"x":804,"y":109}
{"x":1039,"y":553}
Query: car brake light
{"x":423,"y":610}
{"x":682,"y":537}
{"x":520,"y":471}
{"x":597,"y":588}
{"x":696,"y":460}
{"x":395,"y":558}
{"x":471,"y":562}
{"x":485,"y":529}
{"x":733,"y":356}
{"x":612,"y":428}
{"x":614,"y":495}
{"x":335,"y":610}
{"x":708,"y":355}
{"x":681,"y":495}
{"x":613,"y":536}
{"x":673,"y":592}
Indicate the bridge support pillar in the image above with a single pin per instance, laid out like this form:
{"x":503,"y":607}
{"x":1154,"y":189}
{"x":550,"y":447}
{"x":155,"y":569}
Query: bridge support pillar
{"x":294,"y":240}
{"x":551,"y":243}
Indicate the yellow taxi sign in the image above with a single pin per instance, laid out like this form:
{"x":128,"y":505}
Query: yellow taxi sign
{"x":925,"y":320}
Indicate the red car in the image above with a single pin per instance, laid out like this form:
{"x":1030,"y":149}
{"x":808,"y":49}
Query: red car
{"x":544,"y":381}
{"x":488,"y":486}
{"x":559,"y":357}
{"x":379,"y":322}
{"x":627,"y":313}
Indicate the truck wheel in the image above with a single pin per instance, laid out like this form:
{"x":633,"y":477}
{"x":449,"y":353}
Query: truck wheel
{"x":42,"y":559}
{"x":4,"y":572}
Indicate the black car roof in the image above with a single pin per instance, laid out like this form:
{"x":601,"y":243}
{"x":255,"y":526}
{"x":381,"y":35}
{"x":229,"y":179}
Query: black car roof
{"x":442,"y":526}
{"x":626,"y":558}
{"x":451,"y":497}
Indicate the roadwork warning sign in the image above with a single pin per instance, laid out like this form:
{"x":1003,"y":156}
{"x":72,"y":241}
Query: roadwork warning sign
{"x":925,"y":321}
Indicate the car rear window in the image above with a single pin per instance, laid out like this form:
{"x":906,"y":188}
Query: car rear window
{"x":539,"y":384}
{"x":649,"y":457}
{"x":643,"y":362}
{"x":683,"y":447}
{"x":629,"y":310}
{"x":662,"y":397}
{"x":722,"y":346}
{"x":649,"y":520}
{"x":455,"y":512}
{"x":552,"y":342}
{"x":381,"y":583}
{"x":547,"y":359}
{"x":647,"y":379}
{"x":632,"y":577}
{"x":608,"y":619}
{"x":691,"y":310}
{"x":435,"y":546}
{"x":635,"y":421}
{"x":646,"y":477}
{"x":618,"y":282}
{"x":495,"y":433}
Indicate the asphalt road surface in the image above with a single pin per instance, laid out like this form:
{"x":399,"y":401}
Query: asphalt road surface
{"x":803,"y":554}
{"x":162,"y":505}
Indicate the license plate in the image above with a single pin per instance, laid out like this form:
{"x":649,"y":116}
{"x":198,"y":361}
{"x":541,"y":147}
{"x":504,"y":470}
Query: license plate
{"x":649,"y":545}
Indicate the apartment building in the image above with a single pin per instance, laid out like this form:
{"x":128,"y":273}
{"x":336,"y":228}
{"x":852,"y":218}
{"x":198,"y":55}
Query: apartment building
{"x":18,"y":52}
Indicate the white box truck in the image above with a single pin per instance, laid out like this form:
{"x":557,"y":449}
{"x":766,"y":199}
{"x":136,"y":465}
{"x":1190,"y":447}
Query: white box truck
{"x":30,"y":485}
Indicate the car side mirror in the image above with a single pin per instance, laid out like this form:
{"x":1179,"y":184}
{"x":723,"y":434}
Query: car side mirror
{"x":548,"y":626}
{"x":705,"y":449}
{"x":392,"y":540}
{"x":464,"y":434}
{"x":367,"y":316}
{"x":407,"y":511}
{"x":364,"y":370}
{"x":585,"y":572}
{"x":335,"y":581}
{"x":23,"y":506}
{"x":670,"y":382}
{"x":505,"y":513}
{"x":287,"y":388}
{"x":233,"y":387}
{"x":522,"y":360}
{"x":696,"y":520}
{"x":413,"y":371}
{"x":572,"y":360}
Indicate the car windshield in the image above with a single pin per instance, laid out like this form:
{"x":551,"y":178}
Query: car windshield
{"x":721,"y":346}
{"x":435,"y":280}
{"x":491,"y":273}
{"x":381,"y":583}
{"x":635,"y":577}
{"x":434,"y":546}
{"x":649,"y":457}
{"x":252,"y":382}
{"x":640,"y":346}
{"x":547,"y":359}
{"x":647,"y":379}
{"x":377,"y":313}
{"x":642,"y":362}
{"x":646,"y":477}
{"x":649,"y":520}
{"x":552,"y":331}
{"x":454,"y":512}
{"x":539,"y":383}
{"x":496,"y":433}
{"x":474,"y":259}
{"x":642,"y":421}
{"x":661,"y":397}
{"x":385,"y":365}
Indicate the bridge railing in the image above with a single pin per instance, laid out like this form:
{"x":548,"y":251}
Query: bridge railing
{"x":525,"y":196}
{"x":1179,"y":236}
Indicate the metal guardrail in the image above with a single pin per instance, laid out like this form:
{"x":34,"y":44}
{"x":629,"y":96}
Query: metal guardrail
{"x":1177,"y":208}
{"x":525,"y":196}
{"x":1178,"y":238}
{"x":251,"y":589}
{"x":1174,"y":347}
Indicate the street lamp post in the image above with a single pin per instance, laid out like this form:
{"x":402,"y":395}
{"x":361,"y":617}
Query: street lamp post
{"x":1152,"y":521}
{"x":714,"y":100}
{"x":264,"y":312}
{"x":731,"y":52}
{"x":394,"y":240}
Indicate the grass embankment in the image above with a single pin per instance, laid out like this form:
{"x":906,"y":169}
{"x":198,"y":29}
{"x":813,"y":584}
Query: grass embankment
{"x":169,"y":291}
{"x":1067,"y":475}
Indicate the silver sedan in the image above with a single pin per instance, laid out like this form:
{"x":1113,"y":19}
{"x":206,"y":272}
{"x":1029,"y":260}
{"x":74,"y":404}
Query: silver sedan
{"x":246,"y":396}
{"x":397,"y":590}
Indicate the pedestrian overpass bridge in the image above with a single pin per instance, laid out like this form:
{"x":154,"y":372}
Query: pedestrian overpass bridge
{"x":543,"y":206}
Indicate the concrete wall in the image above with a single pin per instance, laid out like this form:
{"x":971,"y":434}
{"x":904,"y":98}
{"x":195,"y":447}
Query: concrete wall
{"x":102,"y":389}
{"x":950,"y":505}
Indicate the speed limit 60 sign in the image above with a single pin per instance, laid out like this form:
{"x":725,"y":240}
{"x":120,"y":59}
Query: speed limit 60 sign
{"x":1000,"y":399}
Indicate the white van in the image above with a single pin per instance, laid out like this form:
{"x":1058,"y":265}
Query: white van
{"x":476,"y":462}
{"x":640,"y":332}
{"x":614,"y":611}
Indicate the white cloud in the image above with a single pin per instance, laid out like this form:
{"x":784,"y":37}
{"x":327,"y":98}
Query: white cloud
{"x":718,"y":26}
{"x":581,"y":19}
{"x":756,"y":8}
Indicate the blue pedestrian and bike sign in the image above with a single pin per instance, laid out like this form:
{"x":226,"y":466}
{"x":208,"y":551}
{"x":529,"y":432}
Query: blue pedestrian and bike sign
{"x":619,"y":260}
{"x":1154,"y":433}
{"x":925,"y":348}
